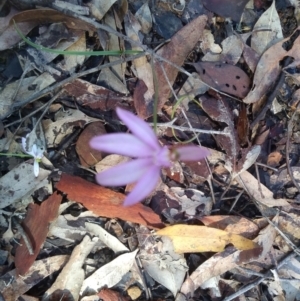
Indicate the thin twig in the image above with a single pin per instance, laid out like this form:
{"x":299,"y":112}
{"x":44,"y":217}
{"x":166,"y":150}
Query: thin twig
{"x":266,"y":166}
{"x":258,"y":181}
{"x":188,"y":129}
{"x":236,"y":200}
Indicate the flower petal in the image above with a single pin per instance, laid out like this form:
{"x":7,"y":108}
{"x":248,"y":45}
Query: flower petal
{"x":139,"y":128}
{"x":122,"y":144}
{"x":191,"y":153}
{"x":34,"y":151}
{"x":36,"y":168}
{"x":24,"y":144}
{"x":143,"y":187}
{"x":124,"y":173}
{"x":162,"y":157}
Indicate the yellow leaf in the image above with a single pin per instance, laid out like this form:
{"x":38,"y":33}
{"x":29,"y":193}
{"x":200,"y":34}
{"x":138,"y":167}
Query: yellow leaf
{"x":188,"y":239}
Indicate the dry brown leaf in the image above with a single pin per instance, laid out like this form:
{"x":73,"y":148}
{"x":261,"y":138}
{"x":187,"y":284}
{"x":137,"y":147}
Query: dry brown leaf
{"x":45,"y":15}
{"x":106,"y":202}
{"x":196,"y":172}
{"x":219,"y":110}
{"x":87,"y":155}
{"x":233,"y":224}
{"x":94,"y":96}
{"x":187,"y":239}
{"x":176,"y":51}
{"x":274,"y":159}
{"x":268,"y":68}
{"x":36,"y":225}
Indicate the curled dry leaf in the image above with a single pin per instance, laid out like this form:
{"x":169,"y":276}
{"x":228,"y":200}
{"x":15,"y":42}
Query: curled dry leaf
{"x":187,"y":239}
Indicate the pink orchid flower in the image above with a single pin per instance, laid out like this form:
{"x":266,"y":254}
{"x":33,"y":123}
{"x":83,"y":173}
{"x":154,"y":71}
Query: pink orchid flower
{"x":149,"y":156}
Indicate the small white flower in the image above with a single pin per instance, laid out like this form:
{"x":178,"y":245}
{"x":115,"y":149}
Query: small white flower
{"x":36,"y":153}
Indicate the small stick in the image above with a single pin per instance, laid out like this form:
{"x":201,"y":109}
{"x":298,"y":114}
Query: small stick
{"x":187,"y":129}
{"x":258,"y":181}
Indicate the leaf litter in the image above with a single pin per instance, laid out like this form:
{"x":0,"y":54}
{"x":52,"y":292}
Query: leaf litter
{"x":233,"y":214}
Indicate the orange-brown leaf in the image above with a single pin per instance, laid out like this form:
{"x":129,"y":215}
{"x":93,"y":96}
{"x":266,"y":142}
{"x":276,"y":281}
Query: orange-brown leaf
{"x":106,"y":202}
